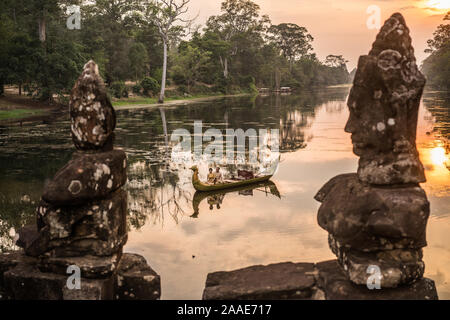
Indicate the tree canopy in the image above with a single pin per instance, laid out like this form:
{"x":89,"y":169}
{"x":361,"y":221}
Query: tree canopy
{"x":293,"y":41}
{"x":131,"y":40}
{"x":437,"y":66}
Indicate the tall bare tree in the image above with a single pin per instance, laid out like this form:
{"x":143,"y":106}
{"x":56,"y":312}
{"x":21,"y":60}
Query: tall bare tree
{"x":167,"y":16}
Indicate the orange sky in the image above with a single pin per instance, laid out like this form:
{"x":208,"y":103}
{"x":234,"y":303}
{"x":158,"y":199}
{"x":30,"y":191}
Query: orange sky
{"x":339,"y":26}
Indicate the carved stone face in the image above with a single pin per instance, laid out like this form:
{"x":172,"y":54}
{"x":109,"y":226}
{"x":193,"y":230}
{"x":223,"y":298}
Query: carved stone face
{"x":372,"y":129}
{"x":384,"y":104}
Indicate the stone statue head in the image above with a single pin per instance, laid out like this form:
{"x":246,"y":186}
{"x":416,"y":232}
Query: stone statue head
{"x":93,"y":118}
{"x":384,"y":104}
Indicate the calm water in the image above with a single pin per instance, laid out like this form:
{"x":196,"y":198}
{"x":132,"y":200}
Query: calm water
{"x":185,"y":236}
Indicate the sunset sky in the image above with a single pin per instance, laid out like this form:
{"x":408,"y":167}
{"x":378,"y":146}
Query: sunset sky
{"x":339,"y":26}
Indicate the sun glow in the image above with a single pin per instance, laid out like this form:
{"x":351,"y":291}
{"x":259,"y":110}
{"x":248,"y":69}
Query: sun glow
{"x":438,"y":156}
{"x":439,"y":4}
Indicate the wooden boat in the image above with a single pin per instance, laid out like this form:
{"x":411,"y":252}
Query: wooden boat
{"x":227,"y":184}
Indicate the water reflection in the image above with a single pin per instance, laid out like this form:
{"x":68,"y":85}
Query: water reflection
{"x":215,"y":198}
{"x":246,"y":230}
{"x":155,"y":192}
{"x":438,"y":119}
{"x":161,"y":189}
{"x":438,"y":156}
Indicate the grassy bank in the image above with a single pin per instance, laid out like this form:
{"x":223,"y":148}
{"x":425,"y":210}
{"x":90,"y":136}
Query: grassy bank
{"x":127,"y":103}
{"x":144,"y":100}
{"x":20,"y":113}
{"x":15,"y":107}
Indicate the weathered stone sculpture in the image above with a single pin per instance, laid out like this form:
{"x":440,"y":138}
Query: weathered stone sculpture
{"x":384,"y":104}
{"x":378,"y":216}
{"x":92,"y":115}
{"x":83,"y":209}
{"x":81,"y":220}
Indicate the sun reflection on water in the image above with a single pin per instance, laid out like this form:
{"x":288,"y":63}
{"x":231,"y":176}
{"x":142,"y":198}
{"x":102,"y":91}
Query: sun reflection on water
{"x":438,"y":156}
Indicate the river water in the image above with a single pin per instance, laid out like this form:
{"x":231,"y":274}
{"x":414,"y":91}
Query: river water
{"x":183,"y":235}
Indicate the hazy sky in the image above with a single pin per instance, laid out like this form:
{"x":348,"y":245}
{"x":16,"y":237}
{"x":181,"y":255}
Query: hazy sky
{"x":339,"y":26}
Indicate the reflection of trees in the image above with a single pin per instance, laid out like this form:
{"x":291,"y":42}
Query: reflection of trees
{"x":297,"y":114}
{"x":215,"y":198}
{"x":439,"y":105}
{"x":15,"y":212}
{"x":31,"y":154}
{"x":155,"y":187}
{"x":153,"y":192}
{"x":143,"y":129}
{"x":292,"y":131}
{"x":3,"y":136}
{"x":334,"y":106}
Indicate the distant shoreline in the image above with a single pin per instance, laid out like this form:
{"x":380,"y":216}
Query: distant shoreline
{"x":15,"y":109}
{"x":141,"y":103}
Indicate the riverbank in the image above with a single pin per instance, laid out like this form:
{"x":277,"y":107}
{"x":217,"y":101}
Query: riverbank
{"x":141,"y":102}
{"x":19,"y":108}
{"x":15,"y":107}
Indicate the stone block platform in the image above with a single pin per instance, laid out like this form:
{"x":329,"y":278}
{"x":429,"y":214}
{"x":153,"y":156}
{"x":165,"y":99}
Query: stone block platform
{"x":22,"y":278}
{"x":305,"y":281}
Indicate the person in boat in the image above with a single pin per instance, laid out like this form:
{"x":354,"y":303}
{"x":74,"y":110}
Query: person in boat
{"x":211,"y":179}
{"x":218,"y":176}
{"x":246,"y":174}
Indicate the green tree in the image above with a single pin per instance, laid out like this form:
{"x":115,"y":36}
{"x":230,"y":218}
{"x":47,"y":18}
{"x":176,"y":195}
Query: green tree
{"x":294,"y":41}
{"x":441,"y":37}
{"x":150,"y":86}
{"x":238,"y":22}
{"x":108,"y":35}
{"x":131,"y":39}
{"x":6,"y":33}
{"x":39,"y":49}
{"x":335,"y":61}
{"x":437,"y":66}
{"x":189,"y":62}
{"x":138,"y":57}
{"x":210,"y":42}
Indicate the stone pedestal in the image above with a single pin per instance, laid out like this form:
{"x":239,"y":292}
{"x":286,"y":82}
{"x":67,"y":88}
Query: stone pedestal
{"x":305,"y":281}
{"x":136,"y":280}
{"x":335,"y":284}
{"x":23,"y":278}
{"x":273,"y":282}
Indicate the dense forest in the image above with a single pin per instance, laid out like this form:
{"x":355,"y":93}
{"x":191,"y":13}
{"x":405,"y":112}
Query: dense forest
{"x":437,"y":66}
{"x":142,"y":46}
